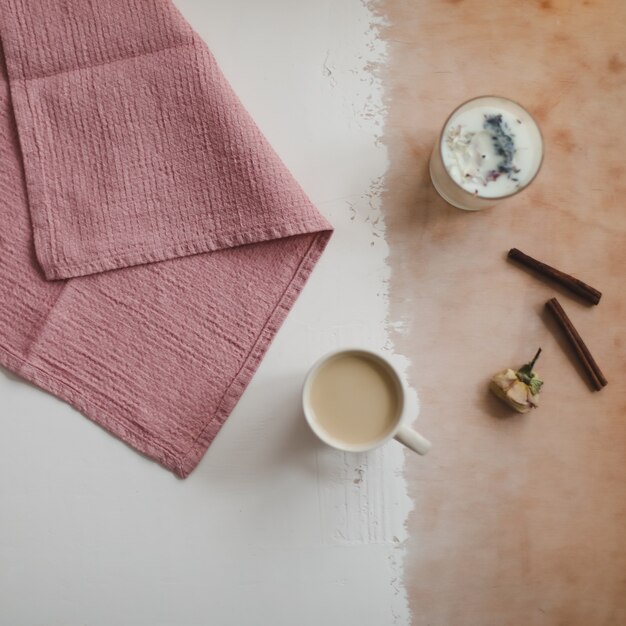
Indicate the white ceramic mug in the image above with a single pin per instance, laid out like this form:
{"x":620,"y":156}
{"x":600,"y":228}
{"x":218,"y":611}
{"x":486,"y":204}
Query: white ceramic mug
{"x":401,"y":431}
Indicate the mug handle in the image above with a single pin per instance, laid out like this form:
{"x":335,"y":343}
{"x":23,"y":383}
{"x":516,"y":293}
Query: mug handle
{"x":413,"y":440}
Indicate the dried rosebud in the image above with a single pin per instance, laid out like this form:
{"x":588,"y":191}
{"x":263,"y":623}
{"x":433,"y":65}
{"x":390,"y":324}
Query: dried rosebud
{"x":519,"y":389}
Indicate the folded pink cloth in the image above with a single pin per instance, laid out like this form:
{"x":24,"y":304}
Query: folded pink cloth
{"x":123,"y":148}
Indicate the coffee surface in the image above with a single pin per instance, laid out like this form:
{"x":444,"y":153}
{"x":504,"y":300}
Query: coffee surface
{"x":354,"y":399}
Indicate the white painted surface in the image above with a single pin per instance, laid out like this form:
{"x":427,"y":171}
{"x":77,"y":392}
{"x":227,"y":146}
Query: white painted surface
{"x":272,"y":528}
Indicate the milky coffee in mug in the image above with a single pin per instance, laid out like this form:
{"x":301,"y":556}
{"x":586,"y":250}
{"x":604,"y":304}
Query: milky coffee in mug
{"x":355,"y":400}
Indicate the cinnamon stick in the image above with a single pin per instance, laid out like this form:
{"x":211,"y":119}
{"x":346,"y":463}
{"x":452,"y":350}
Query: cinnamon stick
{"x":594,"y":373}
{"x":569,"y":282}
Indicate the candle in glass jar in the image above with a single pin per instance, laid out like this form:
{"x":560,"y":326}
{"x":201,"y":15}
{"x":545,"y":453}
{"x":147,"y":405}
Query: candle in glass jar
{"x":490,"y":148}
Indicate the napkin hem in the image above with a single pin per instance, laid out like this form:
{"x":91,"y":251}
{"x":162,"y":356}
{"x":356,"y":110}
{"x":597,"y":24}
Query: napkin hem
{"x":192,"y":457}
{"x":210,"y":243}
{"x":89,"y":66}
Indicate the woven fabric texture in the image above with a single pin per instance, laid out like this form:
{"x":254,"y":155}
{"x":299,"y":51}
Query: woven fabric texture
{"x":151,"y":241}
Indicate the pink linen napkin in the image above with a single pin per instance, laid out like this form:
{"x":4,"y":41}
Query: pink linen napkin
{"x":122,"y":147}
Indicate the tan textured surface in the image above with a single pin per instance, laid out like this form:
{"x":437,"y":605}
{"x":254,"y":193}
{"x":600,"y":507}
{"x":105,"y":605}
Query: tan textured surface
{"x":518,"y":519}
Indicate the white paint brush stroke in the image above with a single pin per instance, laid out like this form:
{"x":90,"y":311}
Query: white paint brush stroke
{"x":272,"y":528}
